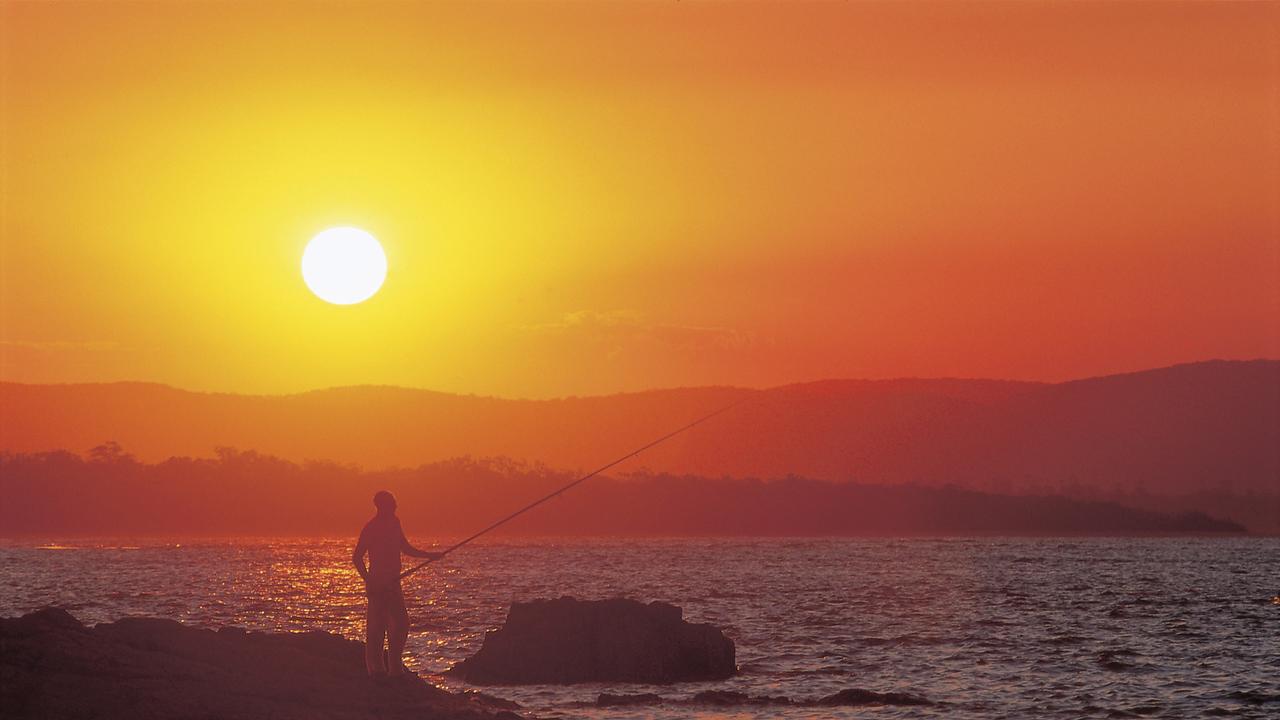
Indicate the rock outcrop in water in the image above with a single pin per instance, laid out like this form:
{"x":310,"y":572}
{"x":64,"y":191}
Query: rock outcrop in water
{"x":52,"y":666}
{"x":568,"y":641}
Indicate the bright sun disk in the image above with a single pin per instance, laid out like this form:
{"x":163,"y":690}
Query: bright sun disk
{"x":344,"y":265}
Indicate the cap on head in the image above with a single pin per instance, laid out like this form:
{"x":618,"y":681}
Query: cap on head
{"x":384,"y":501}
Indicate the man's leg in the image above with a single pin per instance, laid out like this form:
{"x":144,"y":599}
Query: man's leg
{"x":397,"y":631}
{"x":376,"y":622}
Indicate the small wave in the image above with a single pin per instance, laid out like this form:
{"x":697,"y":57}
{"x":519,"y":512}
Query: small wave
{"x":909,"y":639}
{"x":803,"y":672}
{"x":1142,"y":711}
{"x":1065,"y":640}
{"x":1110,"y":660}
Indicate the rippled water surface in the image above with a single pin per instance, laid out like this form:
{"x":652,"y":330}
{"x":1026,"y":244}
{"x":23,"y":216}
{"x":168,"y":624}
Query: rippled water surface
{"x":985,"y":628}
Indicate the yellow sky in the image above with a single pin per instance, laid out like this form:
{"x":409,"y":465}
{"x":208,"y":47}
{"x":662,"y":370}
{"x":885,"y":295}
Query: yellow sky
{"x":586,"y":198}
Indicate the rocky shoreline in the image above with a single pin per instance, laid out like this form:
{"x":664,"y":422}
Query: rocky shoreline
{"x":53,"y":666}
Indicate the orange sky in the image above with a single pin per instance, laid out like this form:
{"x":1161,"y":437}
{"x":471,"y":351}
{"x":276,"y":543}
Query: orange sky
{"x":589,"y":198}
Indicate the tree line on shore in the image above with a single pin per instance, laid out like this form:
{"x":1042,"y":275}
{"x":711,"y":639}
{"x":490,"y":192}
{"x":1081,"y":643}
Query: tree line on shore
{"x":109,"y":492}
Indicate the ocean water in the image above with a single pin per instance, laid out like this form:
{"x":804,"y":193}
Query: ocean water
{"x":983,"y":627}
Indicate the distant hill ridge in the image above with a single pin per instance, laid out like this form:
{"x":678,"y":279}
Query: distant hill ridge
{"x":1207,"y":426}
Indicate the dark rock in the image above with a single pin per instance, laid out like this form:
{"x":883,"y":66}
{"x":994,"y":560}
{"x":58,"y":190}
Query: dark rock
{"x":51,"y":666}
{"x":858,"y":696}
{"x":46,"y":619}
{"x":568,"y":641}
{"x":607,"y":700}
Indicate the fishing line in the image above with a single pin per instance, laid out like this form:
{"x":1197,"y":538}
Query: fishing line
{"x":571,"y":485}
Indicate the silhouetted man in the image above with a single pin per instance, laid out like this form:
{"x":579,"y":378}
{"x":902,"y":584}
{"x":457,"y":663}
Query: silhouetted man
{"x":383,"y":539}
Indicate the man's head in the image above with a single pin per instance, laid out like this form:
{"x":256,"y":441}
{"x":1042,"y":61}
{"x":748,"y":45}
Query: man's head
{"x":385,"y":502}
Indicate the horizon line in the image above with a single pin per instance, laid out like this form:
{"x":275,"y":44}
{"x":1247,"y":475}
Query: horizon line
{"x":673,"y":388}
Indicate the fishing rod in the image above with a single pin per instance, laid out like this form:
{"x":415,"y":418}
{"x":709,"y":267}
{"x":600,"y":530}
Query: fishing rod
{"x":570,"y":486}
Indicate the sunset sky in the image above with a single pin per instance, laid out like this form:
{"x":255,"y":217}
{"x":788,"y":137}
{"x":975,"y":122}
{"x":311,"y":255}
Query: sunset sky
{"x":591,"y":198}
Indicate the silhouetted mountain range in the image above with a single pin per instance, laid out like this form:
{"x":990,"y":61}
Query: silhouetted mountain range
{"x":1204,"y":427}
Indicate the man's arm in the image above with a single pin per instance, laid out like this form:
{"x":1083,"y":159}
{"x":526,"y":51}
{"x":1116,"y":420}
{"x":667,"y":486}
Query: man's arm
{"x":357,"y":557}
{"x":408,"y":549}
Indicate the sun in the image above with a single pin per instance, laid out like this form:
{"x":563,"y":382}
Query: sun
{"x":344,"y":265}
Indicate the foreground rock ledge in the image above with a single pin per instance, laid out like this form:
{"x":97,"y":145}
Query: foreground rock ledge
{"x":52,"y":666}
{"x":570,"y":641}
